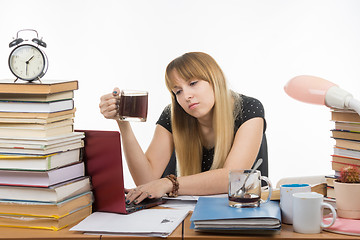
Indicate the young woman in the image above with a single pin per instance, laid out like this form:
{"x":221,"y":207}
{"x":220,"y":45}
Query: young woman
{"x":211,"y":129}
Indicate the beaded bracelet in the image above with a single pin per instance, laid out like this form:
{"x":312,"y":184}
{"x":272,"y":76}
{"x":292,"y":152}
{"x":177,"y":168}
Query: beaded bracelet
{"x":175,"y":189}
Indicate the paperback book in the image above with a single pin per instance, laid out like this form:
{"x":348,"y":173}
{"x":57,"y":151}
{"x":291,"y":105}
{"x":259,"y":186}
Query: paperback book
{"x":45,"y":222}
{"x":59,"y":147}
{"x":55,"y":193}
{"x":33,"y":117}
{"x":42,"y":178}
{"x":39,"y":162}
{"x":21,"y":142}
{"x":45,"y":209}
{"x":35,"y":107}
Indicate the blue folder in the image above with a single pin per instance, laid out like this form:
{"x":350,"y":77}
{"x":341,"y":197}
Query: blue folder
{"x":209,"y":209}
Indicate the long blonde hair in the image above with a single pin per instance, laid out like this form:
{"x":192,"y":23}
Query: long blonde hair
{"x":185,"y":129}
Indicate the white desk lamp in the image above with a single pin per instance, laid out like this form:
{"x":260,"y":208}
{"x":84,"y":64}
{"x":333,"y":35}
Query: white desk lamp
{"x":316,"y":90}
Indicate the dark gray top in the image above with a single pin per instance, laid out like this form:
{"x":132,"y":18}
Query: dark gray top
{"x":250,"y":108}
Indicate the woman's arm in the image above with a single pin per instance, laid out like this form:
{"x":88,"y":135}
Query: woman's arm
{"x":242,"y":155}
{"x":143,"y":167}
{"x":150,"y":166}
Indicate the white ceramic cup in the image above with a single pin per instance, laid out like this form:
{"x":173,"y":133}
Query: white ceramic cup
{"x":286,"y":199}
{"x":308,"y":212}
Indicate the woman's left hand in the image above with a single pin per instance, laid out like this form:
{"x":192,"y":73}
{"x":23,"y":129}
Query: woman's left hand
{"x":153,"y":189}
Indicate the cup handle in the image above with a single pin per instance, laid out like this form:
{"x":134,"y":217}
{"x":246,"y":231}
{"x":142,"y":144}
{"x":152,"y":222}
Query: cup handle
{"x":323,"y":205}
{"x":118,"y":102}
{"x":270,"y":188}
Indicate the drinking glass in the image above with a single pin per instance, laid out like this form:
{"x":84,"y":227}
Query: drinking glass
{"x":245,"y":188}
{"x":133,"y":105}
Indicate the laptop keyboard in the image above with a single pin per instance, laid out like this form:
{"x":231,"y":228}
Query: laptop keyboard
{"x":146,"y":203}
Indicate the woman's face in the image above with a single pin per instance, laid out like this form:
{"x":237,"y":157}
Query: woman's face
{"x":196,"y":96}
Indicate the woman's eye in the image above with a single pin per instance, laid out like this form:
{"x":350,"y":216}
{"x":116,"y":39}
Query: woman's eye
{"x":177,"y":92}
{"x":193,"y":83}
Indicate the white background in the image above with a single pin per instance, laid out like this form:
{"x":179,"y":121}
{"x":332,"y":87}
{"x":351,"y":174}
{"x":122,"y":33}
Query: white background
{"x":259,"y":44}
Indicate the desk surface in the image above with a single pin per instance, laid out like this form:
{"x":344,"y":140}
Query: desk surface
{"x":183,"y":231}
{"x":22,"y":233}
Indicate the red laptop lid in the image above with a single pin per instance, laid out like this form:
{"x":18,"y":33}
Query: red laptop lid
{"x":103,"y":163}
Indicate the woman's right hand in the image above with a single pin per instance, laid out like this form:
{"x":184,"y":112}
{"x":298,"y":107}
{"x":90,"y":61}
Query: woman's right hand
{"x":109,"y":104}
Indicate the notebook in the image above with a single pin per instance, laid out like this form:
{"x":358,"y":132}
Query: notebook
{"x":212,"y":214}
{"x":103,"y":163}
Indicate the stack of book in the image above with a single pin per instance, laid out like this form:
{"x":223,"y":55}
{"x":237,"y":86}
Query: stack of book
{"x":42,"y":175}
{"x":213,"y":214}
{"x":346,"y":134}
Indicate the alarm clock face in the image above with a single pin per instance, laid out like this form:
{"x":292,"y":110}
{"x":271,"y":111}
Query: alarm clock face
{"x":27,"y":62}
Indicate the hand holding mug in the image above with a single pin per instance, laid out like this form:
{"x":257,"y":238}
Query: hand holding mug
{"x":109,"y":104}
{"x":125,"y":105}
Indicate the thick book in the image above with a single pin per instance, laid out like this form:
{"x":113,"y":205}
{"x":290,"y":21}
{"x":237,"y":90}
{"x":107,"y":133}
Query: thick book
{"x":330,"y":179}
{"x":341,"y":134}
{"x":36,"y":107}
{"x":39,"y":162}
{"x":215,"y":214}
{"x":25,"y":126}
{"x":348,"y":126}
{"x":42,"y":178}
{"x":45,"y":209}
{"x":37,"y":120}
{"x":337,"y":166}
{"x":36,"y":97}
{"x":345,"y":116}
{"x":36,"y":132}
{"x":31,"y":142}
{"x":55,"y":193}
{"x":345,"y":226}
{"x":49,"y":149}
{"x":36,"y":87}
{"x":44,"y":116}
{"x":330,"y":192}
{"x":50,"y":222}
{"x":348,"y":144}
{"x":343,"y":152}
{"x":346,"y":160}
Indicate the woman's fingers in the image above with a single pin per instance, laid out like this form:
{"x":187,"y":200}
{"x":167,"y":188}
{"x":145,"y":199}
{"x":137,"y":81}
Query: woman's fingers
{"x":141,"y":197}
{"x":109,"y":105}
{"x":116,"y":91}
{"x":137,"y":195}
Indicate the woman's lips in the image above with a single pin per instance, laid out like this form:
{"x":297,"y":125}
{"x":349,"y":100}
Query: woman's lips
{"x":193,"y":105}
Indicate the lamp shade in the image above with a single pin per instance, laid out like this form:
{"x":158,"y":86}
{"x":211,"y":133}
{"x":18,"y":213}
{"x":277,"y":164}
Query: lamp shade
{"x":311,"y":89}
{"x":308,"y":89}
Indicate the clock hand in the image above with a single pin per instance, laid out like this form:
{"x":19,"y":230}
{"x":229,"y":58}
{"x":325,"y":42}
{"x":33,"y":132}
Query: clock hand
{"x":27,"y":62}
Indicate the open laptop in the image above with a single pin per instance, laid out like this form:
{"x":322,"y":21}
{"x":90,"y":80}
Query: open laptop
{"x":103,"y":163}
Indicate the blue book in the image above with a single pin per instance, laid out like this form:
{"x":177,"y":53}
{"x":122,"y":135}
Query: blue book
{"x":215,"y":214}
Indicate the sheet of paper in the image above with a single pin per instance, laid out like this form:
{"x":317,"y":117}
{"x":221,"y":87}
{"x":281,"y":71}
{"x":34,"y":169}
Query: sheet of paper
{"x":180,"y":204}
{"x":193,"y":198}
{"x":147,"y":222}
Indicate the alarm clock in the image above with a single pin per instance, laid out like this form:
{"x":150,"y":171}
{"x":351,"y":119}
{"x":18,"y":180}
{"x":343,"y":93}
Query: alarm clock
{"x":27,"y":61}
